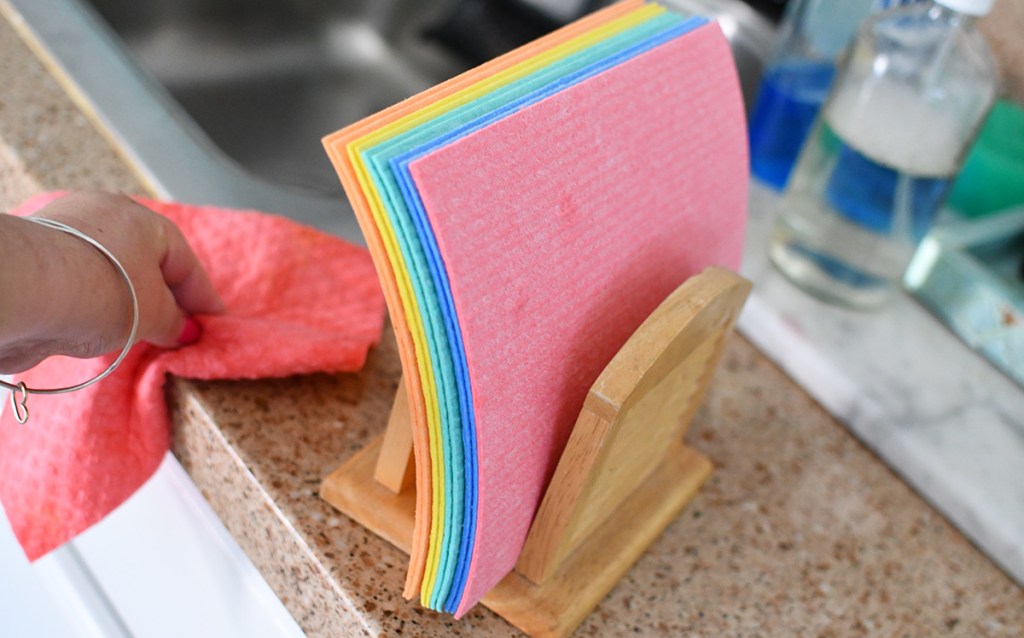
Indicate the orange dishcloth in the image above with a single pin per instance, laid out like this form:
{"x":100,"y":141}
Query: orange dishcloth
{"x":297,"y":301}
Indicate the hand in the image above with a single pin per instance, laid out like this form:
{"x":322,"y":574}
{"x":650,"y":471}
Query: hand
{"x":59,"y":295}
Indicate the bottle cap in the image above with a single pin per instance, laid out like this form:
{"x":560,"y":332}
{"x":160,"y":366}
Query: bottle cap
{"x":970,"y":7}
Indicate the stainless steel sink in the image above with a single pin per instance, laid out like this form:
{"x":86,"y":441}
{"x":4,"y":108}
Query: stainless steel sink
{"x":225,"y":101}
{"x":266,"y":80}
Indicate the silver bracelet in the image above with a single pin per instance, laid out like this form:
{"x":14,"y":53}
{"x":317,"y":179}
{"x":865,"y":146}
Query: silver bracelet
{"x":19,"y":391}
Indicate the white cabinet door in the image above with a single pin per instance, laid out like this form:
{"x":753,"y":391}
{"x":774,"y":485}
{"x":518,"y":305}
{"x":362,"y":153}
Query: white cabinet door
{"x":160,"y":565}
{"x":49,"y":598}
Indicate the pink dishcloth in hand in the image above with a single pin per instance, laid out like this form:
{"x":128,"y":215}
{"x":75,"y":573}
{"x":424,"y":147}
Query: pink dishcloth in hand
{"x":298,"y":301}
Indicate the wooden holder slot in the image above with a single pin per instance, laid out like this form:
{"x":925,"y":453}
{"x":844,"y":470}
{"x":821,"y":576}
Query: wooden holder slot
{"x":622,"y":478}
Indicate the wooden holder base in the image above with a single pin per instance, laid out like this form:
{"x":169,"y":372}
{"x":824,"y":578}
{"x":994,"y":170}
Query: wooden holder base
{"x":623,"y":477}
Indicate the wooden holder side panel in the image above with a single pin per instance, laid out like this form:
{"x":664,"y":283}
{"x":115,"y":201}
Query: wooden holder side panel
{"x":636,"y":448}
{"x":641,"y":403}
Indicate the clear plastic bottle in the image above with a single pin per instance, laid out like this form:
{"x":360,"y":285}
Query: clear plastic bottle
{"x":797,"y":78}
{"x":906,"y":104}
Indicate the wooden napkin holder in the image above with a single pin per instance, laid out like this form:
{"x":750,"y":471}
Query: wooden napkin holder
{"x":623,"y":477}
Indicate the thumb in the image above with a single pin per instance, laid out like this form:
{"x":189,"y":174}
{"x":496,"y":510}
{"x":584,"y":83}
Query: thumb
{"x":185,"y":276}
{"x":172,"y":327}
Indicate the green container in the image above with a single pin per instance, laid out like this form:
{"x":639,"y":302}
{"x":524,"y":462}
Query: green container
{"x":992,"y":178}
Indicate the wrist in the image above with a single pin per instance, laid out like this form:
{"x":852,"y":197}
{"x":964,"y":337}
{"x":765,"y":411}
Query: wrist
{"x":65,"y":297}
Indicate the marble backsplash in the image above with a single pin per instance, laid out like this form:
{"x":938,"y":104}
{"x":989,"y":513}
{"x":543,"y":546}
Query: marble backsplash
{"x":939,"y":414}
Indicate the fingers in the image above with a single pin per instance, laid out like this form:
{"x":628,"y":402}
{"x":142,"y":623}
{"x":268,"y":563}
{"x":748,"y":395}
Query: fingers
{"x":185,"y":276}
{"x":162,"y":322}
{"x":186,"y":291}
{"x":170,"y":328}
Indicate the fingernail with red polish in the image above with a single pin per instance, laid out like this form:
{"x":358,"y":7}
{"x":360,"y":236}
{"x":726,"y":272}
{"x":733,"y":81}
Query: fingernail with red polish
{"x":191,"y":332}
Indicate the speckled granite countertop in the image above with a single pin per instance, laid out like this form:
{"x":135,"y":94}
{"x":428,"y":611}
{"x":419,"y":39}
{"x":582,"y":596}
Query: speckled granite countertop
{"x":800,"y":531}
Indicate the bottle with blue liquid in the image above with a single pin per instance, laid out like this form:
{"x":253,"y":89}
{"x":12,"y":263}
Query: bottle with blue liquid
{"x":813,"y":35}
{"x":871,"y":178}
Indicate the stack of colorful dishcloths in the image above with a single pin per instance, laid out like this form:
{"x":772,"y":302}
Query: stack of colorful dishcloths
{"x":525,"y":217}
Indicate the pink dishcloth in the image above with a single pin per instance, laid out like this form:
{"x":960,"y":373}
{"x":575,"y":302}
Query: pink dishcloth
{"x":298,"y":301}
